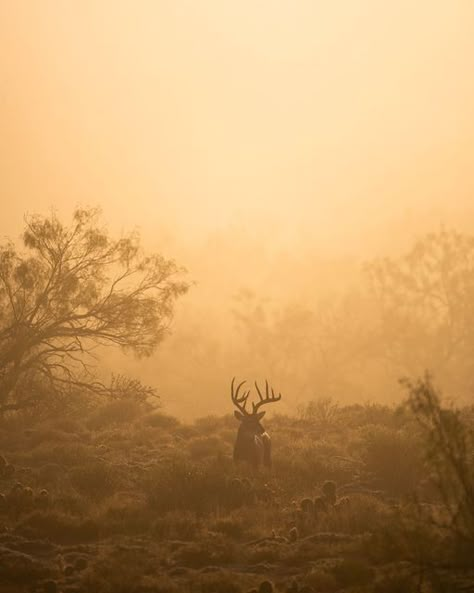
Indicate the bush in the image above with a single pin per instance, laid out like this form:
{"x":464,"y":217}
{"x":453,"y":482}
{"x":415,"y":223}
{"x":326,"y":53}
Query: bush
{"x":231,"y":527}
{"x":160,"y":420}
{"x":125,"y":517}
{"x":449,"y":448}
{"x":206,"y":552}
{"x":115,"y":412}
{"x":181,"y":525}
{"x":396,"y":583}
{"x":180,"y":484}
{"x":321,"y":580}
{"x":59,"y":527}
{"x":96,"y":480}
{"x":353,"y":571}
{"x":303,"y":463}
{"x":202,"y":447}
{"x":393,"y":458}
{"x":126,"y":570}
{"x":362,"y":514}
{"x":220,"y":582}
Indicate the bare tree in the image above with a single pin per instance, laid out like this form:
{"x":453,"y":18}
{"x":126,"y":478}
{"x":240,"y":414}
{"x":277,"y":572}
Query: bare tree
{"x":426,"y":301}
{"x":72,"y":289}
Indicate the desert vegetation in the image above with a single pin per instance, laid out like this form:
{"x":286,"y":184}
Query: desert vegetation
{"x":124,"y":498}
{"x":236,"y":296}
{"x":101,"y":489}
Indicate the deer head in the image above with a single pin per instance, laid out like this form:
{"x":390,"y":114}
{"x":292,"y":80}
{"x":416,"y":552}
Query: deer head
{"x":251,"y":420}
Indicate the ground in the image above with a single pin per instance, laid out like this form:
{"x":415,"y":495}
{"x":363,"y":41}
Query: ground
{"x":123,"y":500}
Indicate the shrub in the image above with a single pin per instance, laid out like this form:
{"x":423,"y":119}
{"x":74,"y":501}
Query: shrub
{"x":115,"y":412}
{"x":160,"y":420}
{"x":360,"y":515}
{"x":212,"y":424}
{"x":126,"y":570}
{"x":321,"y":580}
{"x":353,"y":571}
{"x":206,"y":552}
{"x":396,"y":583}
{"x":323,"y":413}
{"x":393,"y":458}
{"x":182,"y":525}
{"x":302,"y":463}
{"x":96,"y":480}
{"x":66,"y":454}
{"x":59,"y":527}
{"x":449,"y":449}
{"x":180,"y":484}
{"x":202,"y":447}
{"x":125,"y":517}
{"x":267,"y":552}
{"x":231,"y":527}
{"x":219,"y":582}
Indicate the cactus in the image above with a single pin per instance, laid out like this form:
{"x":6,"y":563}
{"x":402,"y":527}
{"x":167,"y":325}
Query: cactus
{"x":17,"y":490}
{"x":307,"y":505}
{"x":329,"y":491}
{"x":68,"y":570}
{"x":43,"y":498}
{"x":320,"y":505}
{"x":80,"y":563}
{"x":265,"y":587}
{"x":28,"y":492}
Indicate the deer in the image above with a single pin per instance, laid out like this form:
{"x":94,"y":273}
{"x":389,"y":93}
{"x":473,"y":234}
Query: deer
{"x":252,"y":445}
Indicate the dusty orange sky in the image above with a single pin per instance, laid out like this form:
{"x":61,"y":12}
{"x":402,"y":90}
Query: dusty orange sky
{"x":305,"y":121}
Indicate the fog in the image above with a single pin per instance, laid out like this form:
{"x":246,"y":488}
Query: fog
{"x":271,"y":148}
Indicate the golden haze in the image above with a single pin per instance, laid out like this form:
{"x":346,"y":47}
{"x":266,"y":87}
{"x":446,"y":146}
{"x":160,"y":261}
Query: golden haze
{"x":265,"y":145}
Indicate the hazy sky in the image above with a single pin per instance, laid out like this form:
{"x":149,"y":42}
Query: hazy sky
{"x":304,"y":120}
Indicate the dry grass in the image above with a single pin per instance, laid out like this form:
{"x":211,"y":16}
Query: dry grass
{"x":153,"y":505}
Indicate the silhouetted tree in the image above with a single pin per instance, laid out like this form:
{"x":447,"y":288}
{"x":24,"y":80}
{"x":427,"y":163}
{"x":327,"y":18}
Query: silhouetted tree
{"x":72,"y":289}
{"x":319,"y":350}
{"x":447,"y":438}
{"x":426,"y":302}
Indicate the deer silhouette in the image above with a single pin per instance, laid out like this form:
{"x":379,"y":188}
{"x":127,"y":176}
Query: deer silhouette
{"x":252,"y":444}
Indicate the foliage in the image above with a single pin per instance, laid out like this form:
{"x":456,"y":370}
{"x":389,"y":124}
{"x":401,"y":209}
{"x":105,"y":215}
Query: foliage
{"x":323,"y":412}
{"x":153,"y":511}
{"x":95,"y":480}
{"x":353,"y":571}
{"x":74,"y":289}
{"x":124,"y":570}
{"x":449,"y":447}
{"x":316,"y":349}
{"x":180,"y":484}
{"x":392,"y":458}
{"x":426,"y":307}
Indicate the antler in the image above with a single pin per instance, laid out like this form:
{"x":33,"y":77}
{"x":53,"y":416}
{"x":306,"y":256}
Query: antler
{"x":268,"y":399}
{"x":239,"y":402}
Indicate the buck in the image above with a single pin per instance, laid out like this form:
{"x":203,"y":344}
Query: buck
{"x":253,"y":443}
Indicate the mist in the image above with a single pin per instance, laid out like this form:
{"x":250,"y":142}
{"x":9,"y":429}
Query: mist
{"x":236,"y":296}
{"x":269,"y":148}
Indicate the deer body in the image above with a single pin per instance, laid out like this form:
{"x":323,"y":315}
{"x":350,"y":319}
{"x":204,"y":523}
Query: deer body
{"x":252,"y":448}
{"x":253,"y":444}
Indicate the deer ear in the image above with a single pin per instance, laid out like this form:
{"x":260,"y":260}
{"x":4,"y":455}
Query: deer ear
{"x":260,"y":415}
{"x":238,"y":415}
